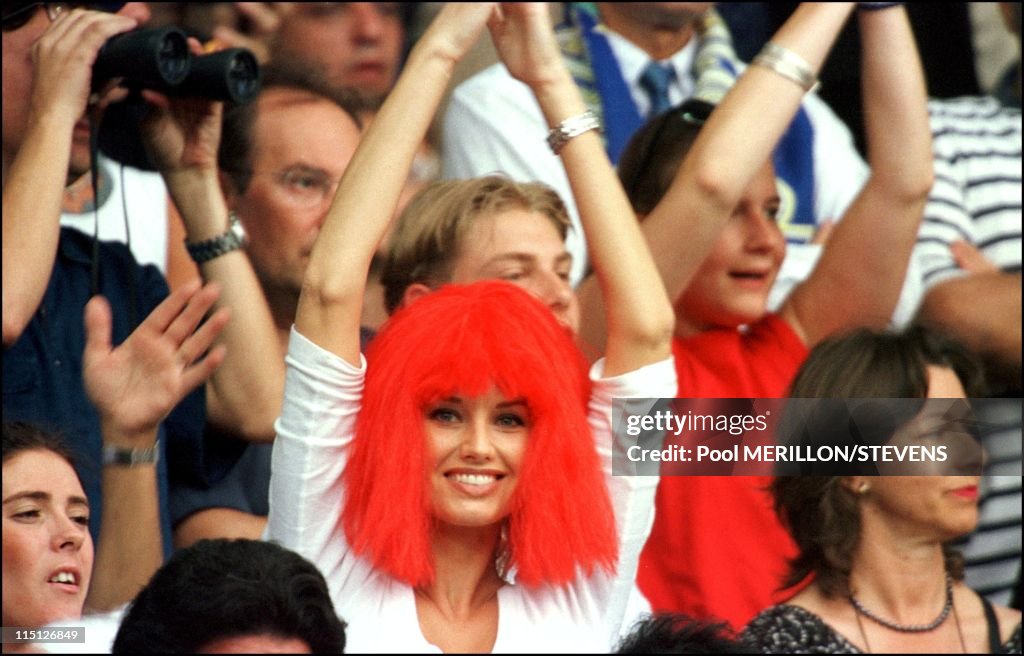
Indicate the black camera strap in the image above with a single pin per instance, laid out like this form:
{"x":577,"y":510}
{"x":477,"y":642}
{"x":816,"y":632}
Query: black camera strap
{"x":94,"y":265}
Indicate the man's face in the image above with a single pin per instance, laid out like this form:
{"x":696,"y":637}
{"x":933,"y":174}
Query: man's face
{"x":357,"y":44}
{"x":524,"y":248}
{"x":18,"y":71}
{"x":655,"y":15}
{"x":301,"y":146}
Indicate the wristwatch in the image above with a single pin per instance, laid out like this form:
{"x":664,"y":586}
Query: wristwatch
{"x":208,"y":249}
{"x":131,"y":456}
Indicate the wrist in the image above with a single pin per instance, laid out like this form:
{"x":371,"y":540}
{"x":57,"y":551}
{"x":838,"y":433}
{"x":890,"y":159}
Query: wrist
{"x":127,"y":437}
{"x":133,"y":456}
{"x":433,"y":56}
{"x":52,"y":120}
{"x":199,"y":201}
{"x":559,"y":98}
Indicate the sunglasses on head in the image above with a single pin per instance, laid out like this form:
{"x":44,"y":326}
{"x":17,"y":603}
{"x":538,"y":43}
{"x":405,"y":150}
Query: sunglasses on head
{"x":692,"y":112}
{"x":19,"y":16}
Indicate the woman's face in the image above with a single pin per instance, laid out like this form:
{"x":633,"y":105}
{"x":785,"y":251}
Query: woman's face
{"x":475,"y":447}
{"x":731,"y":286}
{"x":946,"y":506}
{"x":47,"y":550}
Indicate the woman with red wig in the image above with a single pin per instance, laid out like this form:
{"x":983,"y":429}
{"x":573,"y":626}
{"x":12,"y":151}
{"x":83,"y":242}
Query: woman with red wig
{"x":455,"y":486}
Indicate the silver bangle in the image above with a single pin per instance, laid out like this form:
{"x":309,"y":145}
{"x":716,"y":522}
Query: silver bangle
{"x":572,"y":127}
{"x":788,"y":64}
{"x":131,"y":456}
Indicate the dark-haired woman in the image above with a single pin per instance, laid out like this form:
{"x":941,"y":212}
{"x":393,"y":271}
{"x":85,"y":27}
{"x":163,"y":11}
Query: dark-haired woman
{"x":884,"y":578}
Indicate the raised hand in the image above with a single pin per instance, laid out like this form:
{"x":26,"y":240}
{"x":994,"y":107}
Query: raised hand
{"x":523,"y":37}
{"x":136,"y":384}
{"x":456,"y":28}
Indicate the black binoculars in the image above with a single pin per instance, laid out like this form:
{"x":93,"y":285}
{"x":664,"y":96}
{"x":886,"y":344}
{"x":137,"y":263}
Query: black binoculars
{"x":159,"y":59}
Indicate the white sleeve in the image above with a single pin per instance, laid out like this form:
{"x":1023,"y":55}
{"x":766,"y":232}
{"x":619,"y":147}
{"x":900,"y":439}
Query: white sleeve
{"x":632,"y":496}
{"x":493,"y":124}
{"x":322,"y":398}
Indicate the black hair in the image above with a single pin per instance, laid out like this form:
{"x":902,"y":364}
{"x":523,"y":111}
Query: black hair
{"x":670,"y":633}
{"x":649,"y":163}
{"x":224,"y":588}
{"x":20,"y":436}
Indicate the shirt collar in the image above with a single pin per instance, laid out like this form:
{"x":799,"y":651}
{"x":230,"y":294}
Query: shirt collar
{"x":633,"y":60}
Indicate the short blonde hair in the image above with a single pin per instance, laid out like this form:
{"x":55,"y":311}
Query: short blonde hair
{"x":428,"y":235}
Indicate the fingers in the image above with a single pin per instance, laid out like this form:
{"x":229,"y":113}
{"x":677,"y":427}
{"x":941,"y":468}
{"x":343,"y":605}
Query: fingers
{"x":201,"y":340}
{"x":201,"y":371}
{"x":970,"y":259}
{"x":162,"y":315}
{"x":97,"y":327}
{"x":186,"y":321}
{"x":63,"y":58}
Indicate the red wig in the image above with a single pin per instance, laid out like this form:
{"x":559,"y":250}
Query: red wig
{"x":459,"y":341}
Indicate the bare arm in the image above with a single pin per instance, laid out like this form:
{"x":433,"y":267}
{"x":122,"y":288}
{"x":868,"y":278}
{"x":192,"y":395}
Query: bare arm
{"x":243,"y":396}
{"x":638,"y":312}
{"x":731,"y":148}
{"x":981,"y":310}
{"x":332,"y":295}
{"x":134,"y":387}
{"x":869,"y":250}
{"x":33,"y":181}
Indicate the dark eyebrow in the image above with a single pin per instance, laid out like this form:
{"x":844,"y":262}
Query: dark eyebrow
{"x":306,"y":168}
{"x":40,"y":496}
{"x":513,"y":402}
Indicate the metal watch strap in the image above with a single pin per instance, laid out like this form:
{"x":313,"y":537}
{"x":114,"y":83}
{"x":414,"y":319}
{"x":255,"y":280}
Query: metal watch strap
{"x":131,"y":456}
{"x":206,"y":250}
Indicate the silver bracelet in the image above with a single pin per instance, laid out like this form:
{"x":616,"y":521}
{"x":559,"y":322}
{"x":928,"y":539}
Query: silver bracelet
{"x":572,"y":127}
{"x":788,"y":64}
{"x":122,"y":456}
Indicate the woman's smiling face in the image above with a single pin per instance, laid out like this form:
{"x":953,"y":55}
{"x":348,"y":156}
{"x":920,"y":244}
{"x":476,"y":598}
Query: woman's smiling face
{"x":475,"y":448}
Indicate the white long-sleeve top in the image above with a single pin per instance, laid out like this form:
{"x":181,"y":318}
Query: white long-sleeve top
{"x":317,"y":424}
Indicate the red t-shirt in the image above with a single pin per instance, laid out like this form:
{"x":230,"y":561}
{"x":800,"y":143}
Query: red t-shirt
{"x":717,"y":549}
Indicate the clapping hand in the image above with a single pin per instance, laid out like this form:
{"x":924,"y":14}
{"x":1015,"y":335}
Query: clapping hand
{"x":135,"y":385}
{"x":525,"y":41}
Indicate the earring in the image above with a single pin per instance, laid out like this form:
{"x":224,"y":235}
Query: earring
{"x":862,"y":489}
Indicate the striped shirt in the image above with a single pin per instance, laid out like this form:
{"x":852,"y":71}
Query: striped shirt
{"x":992,"y":553}
{"x":977,"y":192}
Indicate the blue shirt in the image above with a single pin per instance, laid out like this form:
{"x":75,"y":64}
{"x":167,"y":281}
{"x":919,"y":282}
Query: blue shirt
{"x":42,"y":372}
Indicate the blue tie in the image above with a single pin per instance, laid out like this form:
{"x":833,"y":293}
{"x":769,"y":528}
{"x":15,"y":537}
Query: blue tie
{"x":655,"y":80}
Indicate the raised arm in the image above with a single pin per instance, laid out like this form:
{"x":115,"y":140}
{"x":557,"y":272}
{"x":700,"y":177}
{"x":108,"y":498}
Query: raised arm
{"x":134,"y":387}
{"x":868,"y":253}
{"x":638,"y":312}
{"x":729,"y":151}
{"x":34,"y":177}
{"x":332,"y":292}
{"x":244,"y":395}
